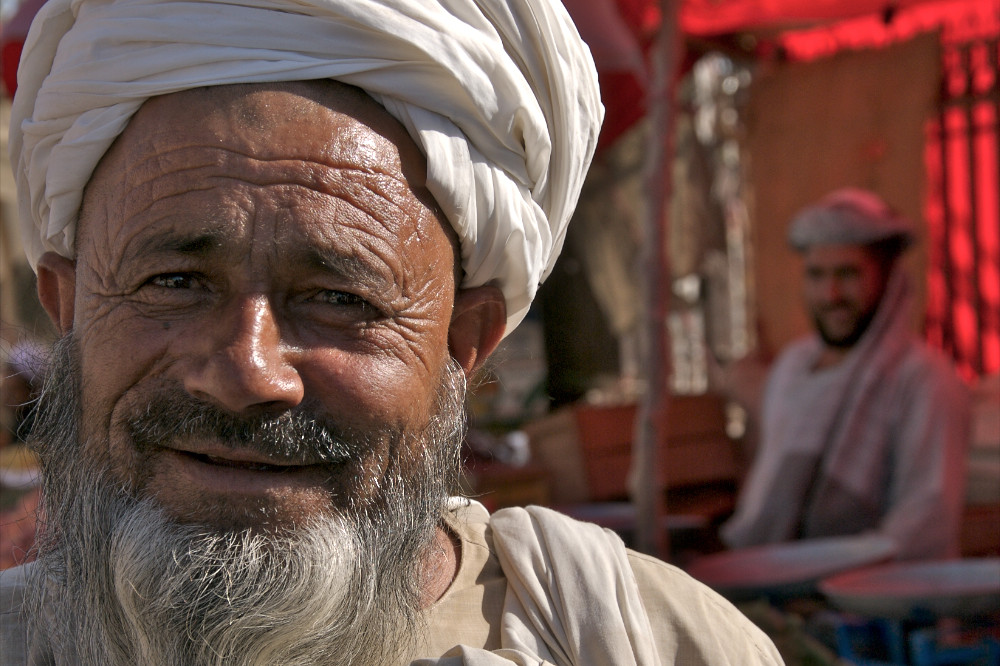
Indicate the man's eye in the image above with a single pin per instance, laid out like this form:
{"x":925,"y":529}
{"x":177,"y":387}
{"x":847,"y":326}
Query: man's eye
{"x":334,"y":297}
{"x":173,"y":281}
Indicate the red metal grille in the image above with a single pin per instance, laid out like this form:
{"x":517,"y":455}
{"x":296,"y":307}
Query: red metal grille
{"x":963,"y":207}
{"x":963,"y":166}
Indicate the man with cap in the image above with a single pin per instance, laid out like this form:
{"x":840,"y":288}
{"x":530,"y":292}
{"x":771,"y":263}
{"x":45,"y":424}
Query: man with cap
{"x":278,"y":237}
{"x":864,"y":427}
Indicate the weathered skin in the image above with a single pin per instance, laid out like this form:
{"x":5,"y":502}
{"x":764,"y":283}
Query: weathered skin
{"x":262,"y":248}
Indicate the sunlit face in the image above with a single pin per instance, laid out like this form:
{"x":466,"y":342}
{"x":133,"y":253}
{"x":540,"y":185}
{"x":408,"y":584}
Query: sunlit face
{"x":260,"y":249}
{"x":842,"y":287}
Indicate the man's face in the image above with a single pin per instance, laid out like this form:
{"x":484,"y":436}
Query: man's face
{"x":843,"y":287}
{"x":266,"y":253}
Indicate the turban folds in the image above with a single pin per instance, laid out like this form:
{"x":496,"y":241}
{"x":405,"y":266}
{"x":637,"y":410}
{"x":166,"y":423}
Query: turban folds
{"x":500,"y":95}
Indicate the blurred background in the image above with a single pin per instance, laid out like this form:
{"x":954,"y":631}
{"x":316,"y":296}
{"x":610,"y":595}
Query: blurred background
{"x":724,"y":117}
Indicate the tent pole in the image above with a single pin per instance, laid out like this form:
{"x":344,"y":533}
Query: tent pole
{"x":651,"y":418}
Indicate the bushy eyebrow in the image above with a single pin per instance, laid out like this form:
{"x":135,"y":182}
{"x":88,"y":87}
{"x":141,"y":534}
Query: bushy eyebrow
{"x":200,"y":245}
{"x":205,"y":244}
{"x":348,"y":267}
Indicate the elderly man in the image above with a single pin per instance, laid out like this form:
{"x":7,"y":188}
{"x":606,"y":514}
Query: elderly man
{"x":278,"y":236}
{"x":864,"y":427}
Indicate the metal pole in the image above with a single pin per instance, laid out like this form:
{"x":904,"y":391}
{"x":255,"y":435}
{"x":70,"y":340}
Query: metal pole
{"x":650,"y":427}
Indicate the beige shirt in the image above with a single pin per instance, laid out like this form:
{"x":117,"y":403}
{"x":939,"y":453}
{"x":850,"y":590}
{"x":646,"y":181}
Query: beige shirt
{"x":559,"y":597}
{"x":649,"y":613}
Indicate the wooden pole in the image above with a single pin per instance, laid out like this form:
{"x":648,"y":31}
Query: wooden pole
{"x":651,"y":421}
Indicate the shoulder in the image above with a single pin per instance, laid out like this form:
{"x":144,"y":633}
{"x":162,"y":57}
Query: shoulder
{"x":795,"y":359}
{"x":704,"y":627}
{"x":926,"y":380}
{"x":13,"y":632}
{"x":686,"y":622}
{"x":923,"y":362}
{"x":12,"y":584}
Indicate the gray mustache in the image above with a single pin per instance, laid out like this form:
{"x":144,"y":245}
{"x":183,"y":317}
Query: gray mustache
{"x":297,"y":436}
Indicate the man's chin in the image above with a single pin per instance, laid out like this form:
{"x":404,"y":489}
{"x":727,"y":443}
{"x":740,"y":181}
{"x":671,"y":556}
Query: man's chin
{"x":838,"y":333}
{"x":836,"y":340}
{"x":155,"y":562}
{"x":842,"y":328}
{"x":281,"y":514}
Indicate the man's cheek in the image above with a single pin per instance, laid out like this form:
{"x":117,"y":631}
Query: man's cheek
{"x":106,"y":388}
{"x":366,"y":389}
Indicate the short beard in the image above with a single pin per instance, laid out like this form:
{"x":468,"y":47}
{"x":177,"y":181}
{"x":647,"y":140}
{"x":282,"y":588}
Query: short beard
{"x":850,"y":339}
{"x":118,"y":582}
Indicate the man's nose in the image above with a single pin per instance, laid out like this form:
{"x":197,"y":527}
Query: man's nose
{"x":832,"y":290}
{"x":244,"y":365}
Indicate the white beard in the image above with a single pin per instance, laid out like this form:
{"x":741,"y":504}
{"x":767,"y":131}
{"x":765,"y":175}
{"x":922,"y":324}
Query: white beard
{"x":245,"y":598}
{"x":117,"y":582}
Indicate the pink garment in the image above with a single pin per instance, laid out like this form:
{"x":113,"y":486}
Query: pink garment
{"x":876,"y":443}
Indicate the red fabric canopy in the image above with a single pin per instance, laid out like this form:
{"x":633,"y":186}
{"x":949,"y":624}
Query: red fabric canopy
{"x":963,"y":309}
{"x":620,"y":34}
{"x":718,"y":17}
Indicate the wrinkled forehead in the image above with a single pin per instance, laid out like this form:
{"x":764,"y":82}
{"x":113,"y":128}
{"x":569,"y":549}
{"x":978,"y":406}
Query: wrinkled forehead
{"x":295,"y":120}
{"x":322,"y":122}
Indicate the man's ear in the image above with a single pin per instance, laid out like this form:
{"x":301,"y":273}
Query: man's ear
{"x":57,"y":289}
{"x":477,"y":325}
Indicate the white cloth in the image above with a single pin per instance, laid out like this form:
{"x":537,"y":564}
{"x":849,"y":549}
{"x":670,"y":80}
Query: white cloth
{"x":501,"y":95}
{"x":587,"y":609}
{"x":577,"y":597}
{"x":874,"y":444}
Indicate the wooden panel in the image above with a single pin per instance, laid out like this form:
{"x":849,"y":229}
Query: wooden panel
{"x":605,"y":429}
{"x":605,"y":435}
{"x":555,"y":446}
{"x":697,"y":450}
{"x":607,"y":477}
{"x":854,"y":119}
{"x":497,"y":485}
{"x":691,"y":415}
{"x":694,"y":459}
{"x":981,"y":531}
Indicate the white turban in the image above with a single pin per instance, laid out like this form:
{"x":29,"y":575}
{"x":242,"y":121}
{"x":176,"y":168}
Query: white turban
{"x":501,"y":96}
{"x":848,"y":216}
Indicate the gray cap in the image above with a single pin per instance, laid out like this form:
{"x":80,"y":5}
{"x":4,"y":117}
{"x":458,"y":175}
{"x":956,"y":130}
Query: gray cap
{"x":849,"y":216}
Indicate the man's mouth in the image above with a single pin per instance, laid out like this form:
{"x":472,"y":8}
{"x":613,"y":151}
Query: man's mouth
{"x":838,"y":306}
{"x":202,"y":469}
{"x":240,"y":464}
{"x":207,"y":482}
{"x":239,"y":459}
